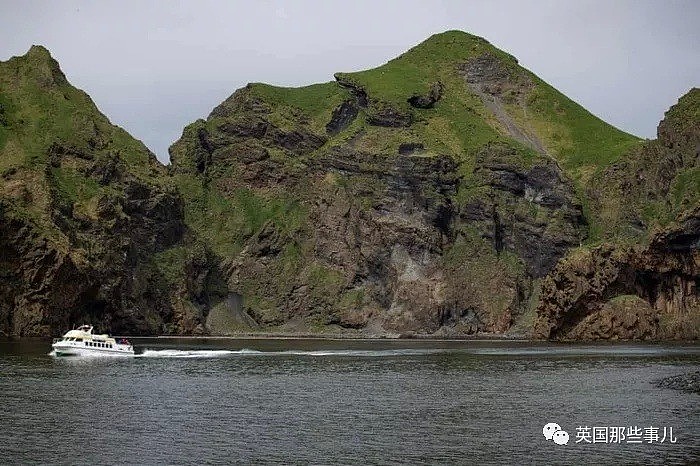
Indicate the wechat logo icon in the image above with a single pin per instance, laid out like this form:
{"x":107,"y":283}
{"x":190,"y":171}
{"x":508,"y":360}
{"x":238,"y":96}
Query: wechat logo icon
{"x":552,"y":431}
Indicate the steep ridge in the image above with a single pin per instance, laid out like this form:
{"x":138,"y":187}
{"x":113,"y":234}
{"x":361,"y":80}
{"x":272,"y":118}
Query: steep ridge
{"x":83,"y":209}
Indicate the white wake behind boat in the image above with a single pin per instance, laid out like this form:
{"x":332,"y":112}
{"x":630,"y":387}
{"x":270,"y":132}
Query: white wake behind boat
{"x":82,"y":342}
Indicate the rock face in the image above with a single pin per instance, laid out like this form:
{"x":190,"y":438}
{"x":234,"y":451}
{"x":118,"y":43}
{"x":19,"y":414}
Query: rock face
{"x":529,"y":210}
{"x":648,"y":290}
{"x":356,"y":237}
{"x":427,"y":101}
{"x":627,"y":292}
{"x":100,"y":277}
{"x":83,"y":213}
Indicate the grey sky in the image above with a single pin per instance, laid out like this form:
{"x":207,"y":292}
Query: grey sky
{"x":154,"y":66}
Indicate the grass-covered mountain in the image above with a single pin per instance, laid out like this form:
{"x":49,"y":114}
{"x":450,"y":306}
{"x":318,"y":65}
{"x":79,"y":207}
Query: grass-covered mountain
{"x":430,"y":195}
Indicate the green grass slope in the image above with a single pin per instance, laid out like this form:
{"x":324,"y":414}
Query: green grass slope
{"x":53,"y":139}
{"x":460,"y":124}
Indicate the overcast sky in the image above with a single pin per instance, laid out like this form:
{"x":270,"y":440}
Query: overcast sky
{"x":154,"y":66}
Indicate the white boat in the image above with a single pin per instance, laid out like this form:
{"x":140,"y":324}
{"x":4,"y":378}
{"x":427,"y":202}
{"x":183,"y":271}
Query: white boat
{"x":82,"y":342}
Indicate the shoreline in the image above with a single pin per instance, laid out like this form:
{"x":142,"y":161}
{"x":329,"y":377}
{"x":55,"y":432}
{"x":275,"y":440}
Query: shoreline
{"x":342,"y":337}
{"x":481,"y":337}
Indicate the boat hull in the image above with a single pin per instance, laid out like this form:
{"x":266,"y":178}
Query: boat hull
{"x":74,"y":350}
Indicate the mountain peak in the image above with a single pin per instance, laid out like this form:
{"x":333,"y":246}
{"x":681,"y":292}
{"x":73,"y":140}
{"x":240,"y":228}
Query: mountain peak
{"x":681,"y":121}
{"x":39,"y":66}
{"x":454,"y":35}
{"x":452,"y":46}
{"x":38,"y":51}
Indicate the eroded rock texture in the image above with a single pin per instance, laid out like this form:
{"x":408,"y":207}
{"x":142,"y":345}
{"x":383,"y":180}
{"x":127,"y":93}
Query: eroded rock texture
{"x":627,"y":292}
{"x":84,"y":213}
{"x":440,"y":194}
{"x":384,"y":243}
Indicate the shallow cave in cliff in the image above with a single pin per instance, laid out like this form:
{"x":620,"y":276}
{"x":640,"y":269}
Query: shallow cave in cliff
{"x":662,"y":292}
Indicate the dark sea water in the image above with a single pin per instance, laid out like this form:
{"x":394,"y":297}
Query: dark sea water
{"x":219,"y":401}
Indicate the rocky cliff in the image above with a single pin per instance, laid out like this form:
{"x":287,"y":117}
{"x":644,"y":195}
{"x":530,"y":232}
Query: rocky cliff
{"x":84,"y":208}
{"x":627,"y":292}
{"x":427,"y":196}
{"x":643,"y":281}
{"x":434,"y":195}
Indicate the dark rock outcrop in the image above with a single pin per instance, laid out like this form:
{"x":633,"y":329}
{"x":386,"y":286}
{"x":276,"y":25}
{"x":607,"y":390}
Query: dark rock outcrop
{"x":428,"y":101}
{"x":491,"y":75}
{"x":357,"y":91}
{"x":409,"y":148}
{"x":387,"y":115}
{"x":343,"y":115}
{"x":685,"y":382}
{"x":663,"y":275}
{"x":530,"y":211}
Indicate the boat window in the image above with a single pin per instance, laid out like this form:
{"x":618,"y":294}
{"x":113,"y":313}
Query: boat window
{"x":78,"y":339}
{"x":86,"y":343}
